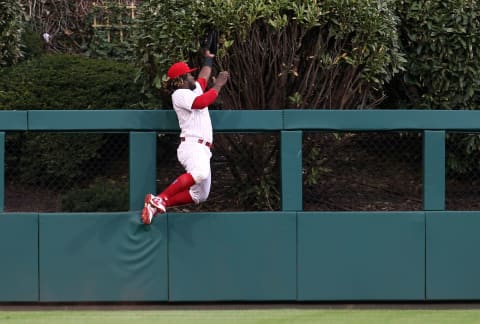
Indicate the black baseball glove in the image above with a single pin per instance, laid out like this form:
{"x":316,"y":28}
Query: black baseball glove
{"x":209,"y":42}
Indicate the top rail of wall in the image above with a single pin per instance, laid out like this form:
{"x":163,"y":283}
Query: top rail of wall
{"x":242,"y":120}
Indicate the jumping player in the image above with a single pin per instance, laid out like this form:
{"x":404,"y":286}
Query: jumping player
{"x":190,"y":101}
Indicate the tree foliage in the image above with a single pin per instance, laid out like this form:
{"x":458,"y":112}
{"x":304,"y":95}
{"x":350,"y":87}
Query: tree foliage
{"x":64,"y":20}
{"x":71,"y":82}
{"x":11,"y":26}
{"x":440,"y":39}
{"x":69,"y":23}
{"x":111,"y":30}
{"x":281,"y":54}
{"x":103,"y":195}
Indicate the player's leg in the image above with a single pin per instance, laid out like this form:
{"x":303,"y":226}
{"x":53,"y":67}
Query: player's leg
{"x":158,"y":204}
{"x":182,"y":183}
{"x":197,"y":193}
{"x":181,"y":198}
{"x":200,"y":191}
{"x":195,"y":158}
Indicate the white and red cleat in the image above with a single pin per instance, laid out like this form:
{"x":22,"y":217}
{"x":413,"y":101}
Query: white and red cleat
{"x":156,"y":202}
{"x":148,"y":213}
{"x":152,"y":206}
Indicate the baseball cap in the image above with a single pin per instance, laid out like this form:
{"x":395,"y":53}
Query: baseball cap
{"x":178,"y":69}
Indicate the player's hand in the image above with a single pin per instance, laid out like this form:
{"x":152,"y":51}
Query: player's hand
{"x":209,"y":43}
{"x":206,"y":53}
{"x":222,"y":78}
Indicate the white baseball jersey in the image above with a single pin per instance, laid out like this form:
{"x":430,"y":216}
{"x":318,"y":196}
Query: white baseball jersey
{"x":193,"y":122}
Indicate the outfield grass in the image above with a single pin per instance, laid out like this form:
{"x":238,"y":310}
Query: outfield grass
{"x":243,"y":316}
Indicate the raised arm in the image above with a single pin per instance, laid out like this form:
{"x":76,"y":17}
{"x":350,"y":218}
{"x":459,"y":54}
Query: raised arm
{"x":206,"y":70}
{"x":211,"y":95}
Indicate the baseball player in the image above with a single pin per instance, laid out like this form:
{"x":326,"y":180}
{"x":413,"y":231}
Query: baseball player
{"x":190,"y":101}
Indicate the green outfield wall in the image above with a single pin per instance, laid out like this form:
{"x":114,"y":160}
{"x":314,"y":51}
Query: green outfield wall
{"x":287,"y":255}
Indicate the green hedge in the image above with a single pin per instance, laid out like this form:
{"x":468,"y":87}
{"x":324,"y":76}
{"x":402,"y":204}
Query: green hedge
{"x":440,"y":39}
{"x":33,"y":43}
{"x":55,"y":160}
{"x":71,"y":82}
{"x":11,"y":26}
{"x":281,"y":54}
{"x":103,"y":195}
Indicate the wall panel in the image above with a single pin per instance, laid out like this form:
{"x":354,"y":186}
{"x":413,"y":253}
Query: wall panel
{"x":102,"y":257}
{"x":18,"y":257}
{"x":361,"y":256}
{"x":232,"y":256}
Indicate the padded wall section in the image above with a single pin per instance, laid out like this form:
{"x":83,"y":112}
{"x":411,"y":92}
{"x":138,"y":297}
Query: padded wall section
{"x":102,"y":257}
{"x":453,"y":258}
{"x":19,"y":257}
{"x":361,"y":256}
{"x":232,"y":256}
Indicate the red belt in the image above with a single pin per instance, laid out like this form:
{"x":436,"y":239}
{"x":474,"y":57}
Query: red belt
{"x":200,"y":141}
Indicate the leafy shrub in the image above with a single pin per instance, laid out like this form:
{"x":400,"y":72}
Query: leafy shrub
{"x":441,"y":40}
{"x":11,"y":22}
{"x":101,"y":47}
{"x":101,"y":196}
{"x":443,"y":70}
{"x":64,"y":82}
{"x":113,"y":42}
{"x":281,"y":54}
{"x":33,"y":43}
{"x":65,"y":21}
{"x":71,"y":82}
{"x":162,"y":37}
{"x":53,"y":160}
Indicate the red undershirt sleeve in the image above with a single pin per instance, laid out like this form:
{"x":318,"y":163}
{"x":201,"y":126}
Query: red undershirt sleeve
{"x":203,"y":83}
{"x":205,"y":99}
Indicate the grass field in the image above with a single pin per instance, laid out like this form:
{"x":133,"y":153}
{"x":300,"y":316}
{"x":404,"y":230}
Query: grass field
{"x":242,"y":316}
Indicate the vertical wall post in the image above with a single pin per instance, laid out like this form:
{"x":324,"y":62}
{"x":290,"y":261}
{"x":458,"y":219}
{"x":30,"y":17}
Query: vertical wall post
{"x":2,"y":171}
{"x":143,"y":160}
{"x":434,"y":170}
{"x":291,"y":170}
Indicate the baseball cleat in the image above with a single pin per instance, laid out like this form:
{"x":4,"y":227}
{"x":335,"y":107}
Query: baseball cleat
{"x":156,"y":202}
{"x":148,"y":213}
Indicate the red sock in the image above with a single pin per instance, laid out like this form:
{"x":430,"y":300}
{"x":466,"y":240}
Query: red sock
{"x":181,"y":198}
{"x":182,"y":183}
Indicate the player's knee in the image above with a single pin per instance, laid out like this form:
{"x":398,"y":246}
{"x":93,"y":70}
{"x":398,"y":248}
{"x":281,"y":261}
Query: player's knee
{"x":200,"y":175}
{"x":202,"y":197}
{"x":199,"y":196}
